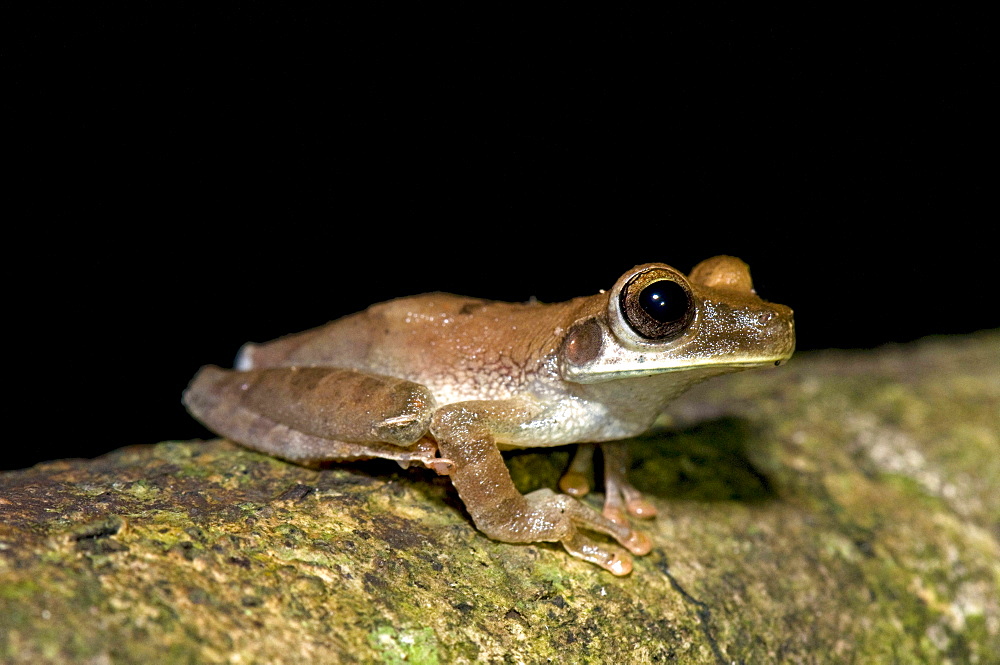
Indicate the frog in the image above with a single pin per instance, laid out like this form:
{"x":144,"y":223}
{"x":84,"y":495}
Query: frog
{"x":449,"y":382}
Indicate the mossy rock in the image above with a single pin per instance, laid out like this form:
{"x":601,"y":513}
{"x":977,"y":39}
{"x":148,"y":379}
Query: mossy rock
{"x":845,"y":508}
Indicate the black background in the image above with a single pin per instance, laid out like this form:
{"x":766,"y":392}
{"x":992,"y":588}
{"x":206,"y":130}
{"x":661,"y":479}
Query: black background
{"x":191,"y":178}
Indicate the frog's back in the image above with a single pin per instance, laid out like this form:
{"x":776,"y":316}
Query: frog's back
{"x":460,"y":347}
{"x":352,"y":340}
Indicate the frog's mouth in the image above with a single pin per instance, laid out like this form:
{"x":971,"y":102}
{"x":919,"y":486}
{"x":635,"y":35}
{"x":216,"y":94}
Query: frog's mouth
{"x":618,"y":369}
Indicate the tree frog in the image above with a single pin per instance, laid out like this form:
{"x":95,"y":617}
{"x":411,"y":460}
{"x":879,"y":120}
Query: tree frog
{"x":448,"y":382}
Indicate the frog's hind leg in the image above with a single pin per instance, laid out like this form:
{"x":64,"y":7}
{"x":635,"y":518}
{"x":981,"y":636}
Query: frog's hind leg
{"x":620,"y":496}
{"x":314,"y":414}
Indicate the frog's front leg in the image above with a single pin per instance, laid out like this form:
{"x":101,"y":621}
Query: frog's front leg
{"x":309,"y":415}
{"x":619,"y":494}
{"x":575,"y":481}
{"x":467,"y":434}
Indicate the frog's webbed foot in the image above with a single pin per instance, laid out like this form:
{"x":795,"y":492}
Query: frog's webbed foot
{"x":620,"y":496}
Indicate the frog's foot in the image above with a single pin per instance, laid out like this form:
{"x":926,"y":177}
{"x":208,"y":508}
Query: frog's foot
{"x":584,"y":548}
{"x":626,"y":499}
{"x":575,"y":481}
{"x":620,"y":496}
{"x":562,"y":516}
{"x":425,"y":451}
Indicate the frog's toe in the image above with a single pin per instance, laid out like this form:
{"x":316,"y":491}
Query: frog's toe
{"x":638,"y":506}
{"x":575,"y":481}
{"x":638,"y":543}
{"x":615,"y":562}
{"x":623,"y":500}
{"x":615,"y":514}
{"x":620,"y":496}
{"x":425,"y":452}
{"x":574,"y":484}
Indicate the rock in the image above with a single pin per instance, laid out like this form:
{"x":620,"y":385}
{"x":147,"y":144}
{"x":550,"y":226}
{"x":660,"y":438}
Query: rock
{"x":844,"y":508}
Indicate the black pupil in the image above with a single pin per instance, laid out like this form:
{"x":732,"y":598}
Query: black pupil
{"x":664,"y":301}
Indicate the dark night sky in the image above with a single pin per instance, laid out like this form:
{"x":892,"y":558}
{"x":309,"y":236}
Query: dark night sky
{"x":196,"y":178}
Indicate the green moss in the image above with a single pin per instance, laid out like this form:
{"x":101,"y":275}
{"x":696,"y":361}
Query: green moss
{"x":19,"y":589}
{"x":407,"y":646}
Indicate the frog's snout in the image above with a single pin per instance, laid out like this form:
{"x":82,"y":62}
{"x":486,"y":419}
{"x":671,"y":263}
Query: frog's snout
{"x":780,"y":330}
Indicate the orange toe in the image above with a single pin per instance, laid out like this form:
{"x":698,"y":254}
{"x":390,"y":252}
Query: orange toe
{"x":574,"y":484}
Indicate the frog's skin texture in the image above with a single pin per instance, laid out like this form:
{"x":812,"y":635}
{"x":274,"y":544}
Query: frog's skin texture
{"x":448,"y":381}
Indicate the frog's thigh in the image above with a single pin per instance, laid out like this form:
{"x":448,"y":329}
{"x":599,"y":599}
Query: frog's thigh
{"x":312,"y":414}
{"x":466,"y":433}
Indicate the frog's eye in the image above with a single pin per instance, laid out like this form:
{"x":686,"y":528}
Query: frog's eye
{"x":656,"y":306}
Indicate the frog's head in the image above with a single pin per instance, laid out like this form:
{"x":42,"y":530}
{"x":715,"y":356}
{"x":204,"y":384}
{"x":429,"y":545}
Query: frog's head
{"x":656,"y":320}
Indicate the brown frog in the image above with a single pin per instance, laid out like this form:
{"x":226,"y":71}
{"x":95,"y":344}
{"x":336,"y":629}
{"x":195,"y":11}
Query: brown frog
{"x":449,"y":381}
